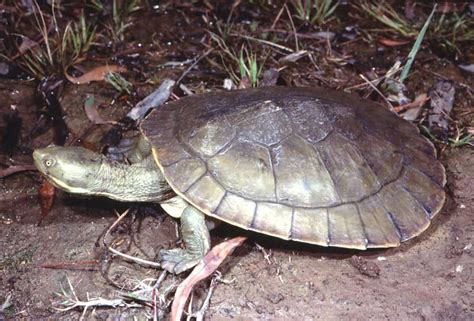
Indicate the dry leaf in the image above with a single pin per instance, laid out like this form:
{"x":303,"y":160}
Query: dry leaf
{"x":245,"y":83}
{"x":90,"y":108}
{"x":96,"y":74}
{"x":393,"y":43}
{"x":295,"y":56}
{"x":442,"y":100}
{"x":26,"y":44}
{"x":419,"y":101}
{"x":206,"y":267}
{"x":46,"y":193}
{"x":269,"y":78}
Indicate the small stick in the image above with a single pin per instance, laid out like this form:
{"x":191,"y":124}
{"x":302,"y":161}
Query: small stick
{"x":114,"y":224}
{"x":278,"y":16}
{"x":16,"y":169}
{"x":377,"y":90}
{"x":187,"y":71}
{"x":133,"y":258}
{"x":297,"y":47}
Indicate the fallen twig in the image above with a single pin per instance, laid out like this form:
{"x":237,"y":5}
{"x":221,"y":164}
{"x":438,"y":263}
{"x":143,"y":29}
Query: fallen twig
{"x":153,"y":100}
{"x":71,"y":301}
{"x":16,"y":169}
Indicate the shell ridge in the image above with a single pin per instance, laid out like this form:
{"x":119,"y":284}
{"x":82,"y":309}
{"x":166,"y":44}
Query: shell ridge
{"x":275,"y":179}
{"x":252,"y":224}
{"x":216,"y":210}
{"x":225,"y":147}
{"x":366,"y":161}
{"x":390,"y":216}
{"x":427,"y":211}
{"x":177,"y":161}
{"x":329,"y":240}
{"x":290,"y":234}
{"x":424,"y":174}
{"x":195,"y":182}
{"x":312,"y":207}
{"x":323,"y":161}
{"x":366,"y":238}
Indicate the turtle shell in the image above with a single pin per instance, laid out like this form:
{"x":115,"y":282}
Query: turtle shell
{"x":301,"y":164}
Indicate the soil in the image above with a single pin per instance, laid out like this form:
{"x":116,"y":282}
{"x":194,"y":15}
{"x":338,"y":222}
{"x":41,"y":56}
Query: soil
{"x":430,"y":277}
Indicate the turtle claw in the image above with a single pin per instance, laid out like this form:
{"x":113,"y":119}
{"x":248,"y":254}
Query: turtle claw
{"x":178,"y":260}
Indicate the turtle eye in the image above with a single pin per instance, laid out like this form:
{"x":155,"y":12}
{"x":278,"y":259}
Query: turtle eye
{"x":48,"y":162}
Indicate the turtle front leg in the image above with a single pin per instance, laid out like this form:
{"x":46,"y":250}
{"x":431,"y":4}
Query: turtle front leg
{"x":196,"y":239}
{"x":134,"y":149}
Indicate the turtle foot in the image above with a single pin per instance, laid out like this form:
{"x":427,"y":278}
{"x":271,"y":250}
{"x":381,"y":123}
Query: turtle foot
{"x":178,"y":260}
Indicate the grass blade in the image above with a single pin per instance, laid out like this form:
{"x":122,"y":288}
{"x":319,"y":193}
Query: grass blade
{"x":416,"y":47}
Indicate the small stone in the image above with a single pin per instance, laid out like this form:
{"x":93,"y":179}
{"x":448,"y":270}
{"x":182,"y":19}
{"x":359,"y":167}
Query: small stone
{"x":275,"y":298}
{"x":365,"y":267}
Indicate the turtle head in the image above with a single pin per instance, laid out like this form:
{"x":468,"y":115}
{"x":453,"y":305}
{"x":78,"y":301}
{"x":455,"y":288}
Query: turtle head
{"x":72,"y":169}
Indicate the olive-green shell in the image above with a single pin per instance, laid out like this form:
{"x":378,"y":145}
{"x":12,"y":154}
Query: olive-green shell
{"x":303,"y":164}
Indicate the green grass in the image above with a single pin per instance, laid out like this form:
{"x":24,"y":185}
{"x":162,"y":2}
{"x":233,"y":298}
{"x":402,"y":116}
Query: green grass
{"x":119,"y":83}
{"x":314,"y":12}
{"x":383,"y":12}
{"x":57,"y":50}
{"x":449,"y":29}
{"x":120,"y":21}
{"x":458,"y":140}
{"x":416,"y":47}
{"x":243,"y":64}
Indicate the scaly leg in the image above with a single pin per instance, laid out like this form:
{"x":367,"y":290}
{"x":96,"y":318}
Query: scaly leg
{"x":196,"y":239}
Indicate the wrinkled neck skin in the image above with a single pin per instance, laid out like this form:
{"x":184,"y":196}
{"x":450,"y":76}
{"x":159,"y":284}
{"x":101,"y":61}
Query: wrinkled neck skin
{"x":139,"y":182}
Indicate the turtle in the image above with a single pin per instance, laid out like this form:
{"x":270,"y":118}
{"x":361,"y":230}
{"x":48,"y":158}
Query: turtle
{"x":303,"y":164}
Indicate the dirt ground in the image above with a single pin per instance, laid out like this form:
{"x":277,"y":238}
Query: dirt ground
{"x":430,"y":277}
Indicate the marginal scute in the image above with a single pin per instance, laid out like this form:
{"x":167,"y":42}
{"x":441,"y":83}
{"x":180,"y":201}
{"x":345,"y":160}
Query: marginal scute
{"x":421,"y":144}
{"x":352,"y":175}
{"x":301,"y":176}
{"x":237,"y":209}
{"x":384,"y":159}
{"x":171,"y":154}
{"x":345,"y":227}
{"x":427,"y":164}
{"x":159,"y":128}
{"x":161,"y":136}
{"x":405,"y":211}
{"x":310,"y":226}
{"x":206,"y":193}
{"x":185,"y":173}
{"x":417,"y":183}
{"x":273,"y":218}
{"x":379,"y":118}
{"x":246,"y":169}
{"x":378,"y":227}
